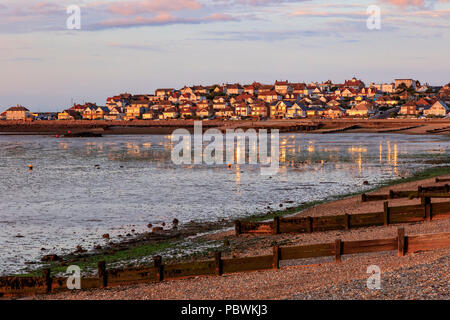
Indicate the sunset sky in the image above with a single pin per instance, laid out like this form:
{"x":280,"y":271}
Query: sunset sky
{"x":137,"y":46}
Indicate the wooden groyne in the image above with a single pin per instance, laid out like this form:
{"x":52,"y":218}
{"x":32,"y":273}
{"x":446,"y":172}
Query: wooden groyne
{"x":403,"y":244}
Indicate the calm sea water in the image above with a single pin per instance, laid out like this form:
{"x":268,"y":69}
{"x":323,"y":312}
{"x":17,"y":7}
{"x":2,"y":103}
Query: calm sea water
{"x":80,"y":189}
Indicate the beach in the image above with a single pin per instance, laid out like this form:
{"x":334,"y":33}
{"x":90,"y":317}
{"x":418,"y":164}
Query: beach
{"x":422,"y":275}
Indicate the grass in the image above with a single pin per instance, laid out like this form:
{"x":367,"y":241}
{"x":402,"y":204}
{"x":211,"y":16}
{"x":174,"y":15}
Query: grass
{"x":90,"y":262}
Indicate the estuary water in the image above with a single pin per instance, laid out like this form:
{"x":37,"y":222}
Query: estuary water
{"x":81,"y":188}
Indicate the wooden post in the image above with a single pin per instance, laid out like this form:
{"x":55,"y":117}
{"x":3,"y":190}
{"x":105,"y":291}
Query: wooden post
{"x":363,"y":197}
{"x":219,"y":263}
{"x":157,"y":261}
{"x":237,"y":227}
{"x":419,"y":189}
{"x":347,"y":221}
{"x":276,"y":225}
{"x":426,"y":202}
{"x":338,"y":249}
{"x":401,"y":241}
{"x":102,"y":274}
{"x":310,"y":224}
{"x":47,"y":280}
{"x":447,"y":188}
{"x":276,"y":258}
{"x":437,"y":179}
{"x":391,"y":194}
{"x":386,"y":213}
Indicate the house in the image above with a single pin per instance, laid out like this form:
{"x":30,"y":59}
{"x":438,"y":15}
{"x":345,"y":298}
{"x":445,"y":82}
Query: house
{"x":383,"y":87}
{"x":18,"y":113}
{"x":354,"y":84}
{"x":187,"y":112}
{"x":163,"y":92}
{"x":100,"y":112}
{"x":334,"y":112}
{"x":269,"y":96}
{"x":170,"y":113}
{"x":296,"y":110}
{"x":89,"y":112}
{"x":259,"y":110}
{"x":363,"y":109}
{"x":228,"y":112}
{"x":69,"y":115}
{"x":150,"y":115}
{"x":137,"y":108}
{"x":278,"y":109}
{"x":205,"y":113}
{"x":315,"y":112}
{"x":408,"y":83}
{"x":242,"y":110}
{"x":114,"y":114}
{"x":298,"y":88}
{"x":409,"y":109}
{"x":234,"y":89}
{"x":347,"y":92}
{"x":252,"y":88}
{"x":283,"y":87}
{"x":438,"y":109}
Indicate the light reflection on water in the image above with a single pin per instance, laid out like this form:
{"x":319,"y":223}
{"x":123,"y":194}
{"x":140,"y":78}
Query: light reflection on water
{"x":66,"y":200}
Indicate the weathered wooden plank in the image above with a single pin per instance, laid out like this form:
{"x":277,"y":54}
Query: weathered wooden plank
{"x":403,"y":209}
{"x":300,"y":225}
{"x":190,"y":269}
{"x":256,"y":227}
{"x":364,"y":246}
{"x":121,"y":275}
{"x":366,"y":219}
{"x":374,"y":197}
{"x":247,"y":264}
{"x":415,"y":215}
{"x":308,"y":251}
{"x":22,"y":285}
{"x":428,"y":242}
{"x":326,"y":223}
{"x":440,"y":209}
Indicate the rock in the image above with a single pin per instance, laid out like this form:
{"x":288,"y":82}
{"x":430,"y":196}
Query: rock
{"x":98,"y":247}
{"x":163,"y":224}
{"x":149,"y":225}
{"x":20,"y":236}
{"x":226,"y":243}
{"x":155,"y":229}
{"x":106,"y":236}
{"x":79,"y":249}
{"x":50,"y":257}
{"x":281,"y":205}
{"x":366,"y":183}
{"x":132,"y":230}
{"x":43,"y":249}
{"x":129,"y":234}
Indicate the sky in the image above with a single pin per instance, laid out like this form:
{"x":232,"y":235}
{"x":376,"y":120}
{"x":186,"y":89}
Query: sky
{"x":137,"y":46}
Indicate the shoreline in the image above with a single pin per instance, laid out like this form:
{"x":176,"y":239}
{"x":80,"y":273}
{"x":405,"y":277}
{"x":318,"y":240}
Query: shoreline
{"x":317,"y":126}
{"x":219,"y":234}
{"x":314,"y":278}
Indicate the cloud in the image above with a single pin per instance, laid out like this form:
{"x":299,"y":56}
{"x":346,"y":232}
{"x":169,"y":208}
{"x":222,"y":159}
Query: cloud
{"x":152,"y":6}
{"x":159,"y":20}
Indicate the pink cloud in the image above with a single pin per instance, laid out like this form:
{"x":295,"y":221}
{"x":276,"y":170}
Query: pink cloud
{"x":406,"y":3}
{"x":160,"y":20}
{"x":151,"y":6}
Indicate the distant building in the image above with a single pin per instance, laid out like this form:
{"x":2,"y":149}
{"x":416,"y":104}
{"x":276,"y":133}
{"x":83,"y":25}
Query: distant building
{"x":409,"y":83}
{"x":18,"y":113}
